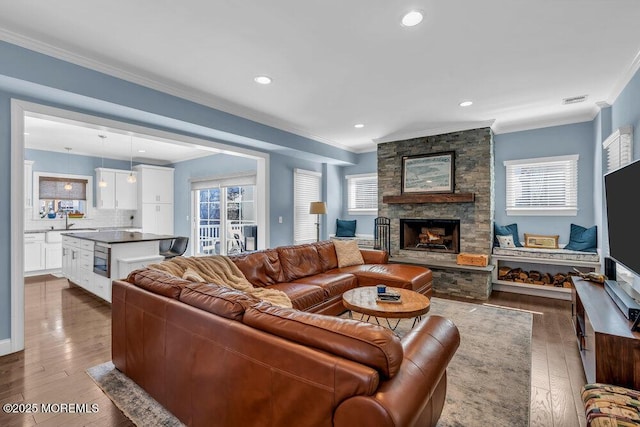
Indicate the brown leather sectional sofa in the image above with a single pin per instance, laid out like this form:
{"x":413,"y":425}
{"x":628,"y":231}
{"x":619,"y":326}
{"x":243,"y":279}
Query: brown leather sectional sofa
{"x":215,"y":356}
{"x":310,"y":276}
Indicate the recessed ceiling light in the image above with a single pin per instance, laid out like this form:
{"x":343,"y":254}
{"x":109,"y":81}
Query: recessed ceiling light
{"x":142,"y":151}
{"x":358,"y":126}
{"x":412,"y":18}
{"x":466,"y":103}
{"x":263,"y":80}
{"x":26,"y":133}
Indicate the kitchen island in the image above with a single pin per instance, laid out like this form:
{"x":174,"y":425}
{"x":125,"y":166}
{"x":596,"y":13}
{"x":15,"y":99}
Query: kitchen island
{"x":92,"y":260}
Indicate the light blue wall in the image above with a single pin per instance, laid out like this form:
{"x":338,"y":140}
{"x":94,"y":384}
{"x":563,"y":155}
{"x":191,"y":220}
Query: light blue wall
{"x":366,"y":163}
{"x":38,"y":78}
{"x":625,"y":111}
{"x":281,"y":192}
{"x":205,"y":167}
{"x":601,"y":130}
{"x":552,"y":141}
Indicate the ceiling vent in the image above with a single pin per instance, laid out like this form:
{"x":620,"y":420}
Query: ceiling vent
{"x":574,"y":99}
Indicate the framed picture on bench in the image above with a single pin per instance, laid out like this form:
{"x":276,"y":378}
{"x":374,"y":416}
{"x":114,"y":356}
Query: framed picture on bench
{"x":540,"y":241}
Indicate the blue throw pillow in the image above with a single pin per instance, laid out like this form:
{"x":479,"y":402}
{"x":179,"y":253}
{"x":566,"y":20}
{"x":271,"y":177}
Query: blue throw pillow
{"x":346,"y":228}
{"x":506,"y":230}
{"x":583,"y":239}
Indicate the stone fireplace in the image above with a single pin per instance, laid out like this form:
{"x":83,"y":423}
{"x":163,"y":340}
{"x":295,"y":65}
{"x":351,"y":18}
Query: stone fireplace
{"x":435,"y":235}
{"x":470,"y":207}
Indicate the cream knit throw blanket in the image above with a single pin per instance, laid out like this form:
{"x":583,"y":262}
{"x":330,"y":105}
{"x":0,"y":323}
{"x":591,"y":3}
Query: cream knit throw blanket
{"x":220,"y":270}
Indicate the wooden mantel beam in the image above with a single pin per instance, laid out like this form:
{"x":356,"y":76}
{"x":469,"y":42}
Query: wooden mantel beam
{"x":430,"y":198}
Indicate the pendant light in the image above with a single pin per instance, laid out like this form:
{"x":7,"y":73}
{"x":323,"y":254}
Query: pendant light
{"x":131,"y":178}
{"x":102,"y":183}
{"x":68,"y":185}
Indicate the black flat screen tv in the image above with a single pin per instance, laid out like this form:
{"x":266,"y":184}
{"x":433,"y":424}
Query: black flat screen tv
{"x":623,"y":220}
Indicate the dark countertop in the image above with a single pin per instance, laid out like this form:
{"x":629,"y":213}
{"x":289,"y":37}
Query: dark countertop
{"x":115,"y":237}
{"x":78,"y":229}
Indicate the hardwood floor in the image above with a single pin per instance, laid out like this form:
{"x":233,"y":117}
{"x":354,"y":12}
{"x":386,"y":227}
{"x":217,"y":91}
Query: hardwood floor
{"x":68,"y":330}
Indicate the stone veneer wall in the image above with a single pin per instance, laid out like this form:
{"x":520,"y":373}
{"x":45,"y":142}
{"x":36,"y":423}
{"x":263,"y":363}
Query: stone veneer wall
{"x":474,"y":154}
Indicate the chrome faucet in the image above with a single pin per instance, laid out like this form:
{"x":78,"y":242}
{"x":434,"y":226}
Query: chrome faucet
{"x":66,"y":221}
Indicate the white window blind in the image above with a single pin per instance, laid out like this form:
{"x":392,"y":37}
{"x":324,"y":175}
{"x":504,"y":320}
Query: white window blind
{"x":306,"y":189}
{"x":618,"y":148}
{"x":362,"y":194}
{"x":542,"y":186}
{"x":54,"y":188}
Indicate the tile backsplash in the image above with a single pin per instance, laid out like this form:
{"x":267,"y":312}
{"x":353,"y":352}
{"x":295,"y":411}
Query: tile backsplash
{"x":100,"y":218}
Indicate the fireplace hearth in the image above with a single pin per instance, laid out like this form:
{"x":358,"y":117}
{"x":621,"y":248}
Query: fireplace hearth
{"x":433,"y":235}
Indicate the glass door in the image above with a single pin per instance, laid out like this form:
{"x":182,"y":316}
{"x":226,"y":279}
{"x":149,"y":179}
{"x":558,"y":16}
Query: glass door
{"x":225,"y":220}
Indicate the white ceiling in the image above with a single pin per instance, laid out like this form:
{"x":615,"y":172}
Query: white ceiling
{"x":338,"y":63}
{"x":50,"y":133}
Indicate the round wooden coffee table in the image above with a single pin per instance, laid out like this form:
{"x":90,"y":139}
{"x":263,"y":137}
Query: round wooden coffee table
{"x":364,"y":300}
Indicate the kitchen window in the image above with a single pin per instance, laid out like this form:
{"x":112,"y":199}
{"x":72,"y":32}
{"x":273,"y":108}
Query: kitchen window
{"x":59,"y":194}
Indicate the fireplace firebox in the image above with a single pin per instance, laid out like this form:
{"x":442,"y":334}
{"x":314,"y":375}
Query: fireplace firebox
{"x":435,"y":235}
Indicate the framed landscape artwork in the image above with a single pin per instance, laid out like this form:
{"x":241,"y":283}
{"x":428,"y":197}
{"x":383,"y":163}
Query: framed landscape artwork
{"x":540,"y":241}
{"x":428,"y":173}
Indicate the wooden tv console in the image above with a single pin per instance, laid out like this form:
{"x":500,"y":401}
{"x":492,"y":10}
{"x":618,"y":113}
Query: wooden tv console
{"x":608,"y":348}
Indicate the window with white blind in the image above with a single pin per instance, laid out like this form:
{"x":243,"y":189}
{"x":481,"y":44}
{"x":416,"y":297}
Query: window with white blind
{"x":362,"y":194}
{"x":306,"y":189}
{"x":618,"y":148}
{"x":542,"y":186}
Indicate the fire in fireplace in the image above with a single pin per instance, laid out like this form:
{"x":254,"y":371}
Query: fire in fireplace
{"x":436,"y":235}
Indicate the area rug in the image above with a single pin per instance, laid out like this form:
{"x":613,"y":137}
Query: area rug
{"x":489,"y":377}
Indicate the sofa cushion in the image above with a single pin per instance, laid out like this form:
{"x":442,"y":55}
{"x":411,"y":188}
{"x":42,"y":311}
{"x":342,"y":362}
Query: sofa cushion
{"x":158,"y":282}
{"x":302,"y":295}
{"x":413,"y":277}
{"x":299,"y":261}
{"x":216,"y":299}
{"x":371,"y":345}
{"x":327,"y":253}
{"x":348,"y":253}
{"x":261,"y":268}
{"x":333,"y":284}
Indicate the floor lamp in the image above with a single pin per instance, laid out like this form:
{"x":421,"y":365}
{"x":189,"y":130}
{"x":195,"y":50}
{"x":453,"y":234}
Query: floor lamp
{"x":318,"y":208}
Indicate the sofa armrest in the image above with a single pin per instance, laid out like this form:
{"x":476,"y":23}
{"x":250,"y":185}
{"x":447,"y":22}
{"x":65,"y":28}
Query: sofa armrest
{"x":374,"y":256}
{"x":416,"y":394}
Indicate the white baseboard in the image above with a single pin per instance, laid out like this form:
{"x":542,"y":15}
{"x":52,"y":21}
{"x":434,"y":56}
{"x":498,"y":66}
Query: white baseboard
{"x":5,"y":347}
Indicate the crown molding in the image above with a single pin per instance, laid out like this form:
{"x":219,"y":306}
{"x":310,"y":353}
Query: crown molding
{"x":539,"y":123}
{"x":624,"y":79}
{"x":164,"y":86}
{"x":453,"y":127}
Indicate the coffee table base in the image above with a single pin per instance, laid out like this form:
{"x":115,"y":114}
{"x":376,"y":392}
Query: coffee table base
{"x":393,"y":328}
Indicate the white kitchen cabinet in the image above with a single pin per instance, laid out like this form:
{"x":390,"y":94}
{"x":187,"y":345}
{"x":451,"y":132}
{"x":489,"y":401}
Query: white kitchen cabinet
{"x":155,"y":201}
{"x":28,"y":183}
{"x":34,"y":255}
{"x":126,"y":192}
{"x":77,"y":262}
{"x":156,"y":218}
{"x":155,"y":184}
{"x":119,"y":193}
{"x":52,"y":256}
